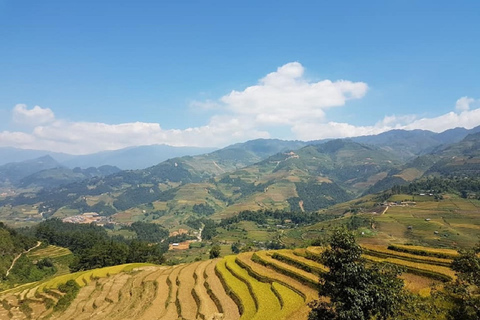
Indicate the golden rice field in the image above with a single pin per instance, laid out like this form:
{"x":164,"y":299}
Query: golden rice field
{"x":255,"y":285}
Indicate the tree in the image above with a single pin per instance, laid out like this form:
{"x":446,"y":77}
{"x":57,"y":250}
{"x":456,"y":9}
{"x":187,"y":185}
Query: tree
{"x":355,"y":291}
{"x":215,"y":251}
{"x":465,"y":291}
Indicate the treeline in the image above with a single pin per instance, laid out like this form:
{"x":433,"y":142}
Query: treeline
{"x":316,"y":196}
{"x":465,"y":186}
{"x":93,"y":248}
{"x":12,"y":243}
{"x":209,"y":226}
{"x":243,"y":188}
{"x":140,"y":195}
{"x":262,"y":216}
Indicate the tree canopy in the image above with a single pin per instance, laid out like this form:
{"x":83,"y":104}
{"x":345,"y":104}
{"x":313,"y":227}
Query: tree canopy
{"x":354,"y":290}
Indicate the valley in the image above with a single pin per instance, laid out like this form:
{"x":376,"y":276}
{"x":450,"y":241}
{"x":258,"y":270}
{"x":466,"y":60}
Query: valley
{"x":237,"y":233}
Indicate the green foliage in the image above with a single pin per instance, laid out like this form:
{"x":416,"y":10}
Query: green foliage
{"x":465,"y":292}
{"x":203,"y":209}
{"x":139,"y":195}
{"x":26,"y":271}
{"x":356,"y":292}
{"x":316,"y":196}
{"x":464,"y":186}
{"x":209,"y":229}
{"x":149,"y":232}
{"x":279,"y":216}
{"x":12,"y":243}
{"x":355,"y":222}
{"x":93,"y":248}
{"x":70,"y":290}
{"x":215,"y":251}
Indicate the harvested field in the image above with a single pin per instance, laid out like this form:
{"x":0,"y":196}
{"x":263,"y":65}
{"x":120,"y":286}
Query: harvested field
{"x":275,"y":285}
{"x":207,"y":308}
{"x":186,"y":282}
{"x":171,"y":306}
{"x":157,"y":307}
{"x":228,"y":307}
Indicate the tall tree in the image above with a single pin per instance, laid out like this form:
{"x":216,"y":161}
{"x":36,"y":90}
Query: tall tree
{"x":465,"y":291}
{"x":352,"y":291}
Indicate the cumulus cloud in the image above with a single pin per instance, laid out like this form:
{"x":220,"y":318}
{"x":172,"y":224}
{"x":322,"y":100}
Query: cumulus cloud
{"x":90,"y":137}
{"x":312,"y":131}
{"x":282,"y":100}
{"x":285,"y":97}
{"x":463,"y":104}
{"x":35,"y":116}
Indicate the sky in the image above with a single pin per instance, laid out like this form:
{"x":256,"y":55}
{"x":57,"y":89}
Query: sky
{"x":85,"y":76}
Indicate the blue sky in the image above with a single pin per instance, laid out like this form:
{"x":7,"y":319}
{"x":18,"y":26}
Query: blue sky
{"x":86,"y":76}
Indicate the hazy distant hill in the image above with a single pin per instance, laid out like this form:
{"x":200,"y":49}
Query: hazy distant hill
{"x":134,"y":157}
{"x":59,"y":176}
{"x":12,"y":173}
{"x":128,"y":158}
{"x":9,"y":154}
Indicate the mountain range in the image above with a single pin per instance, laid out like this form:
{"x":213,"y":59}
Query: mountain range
{"x":258,"y":174}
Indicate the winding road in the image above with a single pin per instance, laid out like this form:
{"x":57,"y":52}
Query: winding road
{"x":18,"y":257}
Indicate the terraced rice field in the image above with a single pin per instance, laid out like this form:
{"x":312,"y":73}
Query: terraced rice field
{"x":261,"y":285}
{"x":49,"y":252}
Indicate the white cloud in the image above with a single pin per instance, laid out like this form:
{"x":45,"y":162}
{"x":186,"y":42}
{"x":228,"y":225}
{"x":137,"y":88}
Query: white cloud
{"x":285,"y":97}
{"x":90,"y":137}
{"x":463,"y":104}
{"x":34,"y":116}
{"x":282,"y":100}
{"x":312,"y":131}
